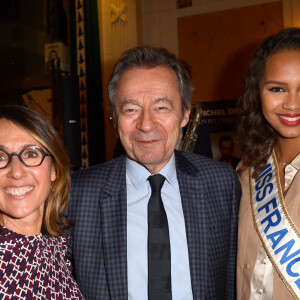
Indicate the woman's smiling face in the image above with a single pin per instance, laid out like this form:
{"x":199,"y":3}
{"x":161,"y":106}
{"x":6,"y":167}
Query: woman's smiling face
{"x":23,"y":190}
{"x":280,"y":93}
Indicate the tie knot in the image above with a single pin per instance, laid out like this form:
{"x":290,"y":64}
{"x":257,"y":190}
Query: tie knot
{"x":156,"y":182}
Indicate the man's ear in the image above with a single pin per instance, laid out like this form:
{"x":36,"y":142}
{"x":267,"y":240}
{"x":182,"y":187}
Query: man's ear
{"x":186,"y":117}
{"x":114,"y":118}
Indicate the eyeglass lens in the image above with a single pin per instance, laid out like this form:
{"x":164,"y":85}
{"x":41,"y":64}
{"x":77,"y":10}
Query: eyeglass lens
{"x":30,"y":156}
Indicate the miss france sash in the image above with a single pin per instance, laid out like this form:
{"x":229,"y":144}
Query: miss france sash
{"x":278,"y":233}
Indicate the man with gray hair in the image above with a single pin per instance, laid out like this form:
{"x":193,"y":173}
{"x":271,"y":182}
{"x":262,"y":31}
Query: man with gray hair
{"x":155,"y":223}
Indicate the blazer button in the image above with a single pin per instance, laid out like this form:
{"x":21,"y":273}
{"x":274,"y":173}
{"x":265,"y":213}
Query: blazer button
{"x":247,"y":266}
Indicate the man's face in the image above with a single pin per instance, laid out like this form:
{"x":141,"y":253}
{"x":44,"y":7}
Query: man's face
{"x":226,"y":149}
{"x":149,"y":115}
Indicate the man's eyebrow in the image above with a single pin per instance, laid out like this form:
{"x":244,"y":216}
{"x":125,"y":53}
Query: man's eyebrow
{"x":157,"y":100}
{"x":164,"y":99}
{"x":127,"y":101}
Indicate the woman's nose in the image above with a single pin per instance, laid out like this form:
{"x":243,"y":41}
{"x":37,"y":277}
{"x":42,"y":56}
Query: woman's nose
{"x":292,"y":101}
{"x":16,"y":169}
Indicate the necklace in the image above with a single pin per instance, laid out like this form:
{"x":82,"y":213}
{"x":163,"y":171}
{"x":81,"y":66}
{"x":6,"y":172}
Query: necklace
{"x":278,"y":159}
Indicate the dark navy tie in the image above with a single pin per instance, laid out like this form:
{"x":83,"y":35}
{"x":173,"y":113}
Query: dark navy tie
{"x":159,"y":254}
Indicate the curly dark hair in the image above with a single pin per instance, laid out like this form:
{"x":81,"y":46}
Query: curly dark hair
{"x":255,"y":133}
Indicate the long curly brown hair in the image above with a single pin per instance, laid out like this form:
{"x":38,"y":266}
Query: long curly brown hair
{"x":256,"y":135}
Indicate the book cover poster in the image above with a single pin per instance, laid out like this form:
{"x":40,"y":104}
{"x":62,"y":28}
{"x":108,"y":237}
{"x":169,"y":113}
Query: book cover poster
{"x":218,"y":121}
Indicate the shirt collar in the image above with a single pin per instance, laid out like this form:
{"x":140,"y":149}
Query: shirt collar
{"x":290,"y":172}
{"x":296,"y":162}
{"x":138,"y":174}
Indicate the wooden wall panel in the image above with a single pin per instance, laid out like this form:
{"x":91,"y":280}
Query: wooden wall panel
{"x":219,"y":45}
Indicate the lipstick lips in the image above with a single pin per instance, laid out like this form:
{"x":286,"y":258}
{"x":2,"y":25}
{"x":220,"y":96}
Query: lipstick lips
{"x":289,"y":119}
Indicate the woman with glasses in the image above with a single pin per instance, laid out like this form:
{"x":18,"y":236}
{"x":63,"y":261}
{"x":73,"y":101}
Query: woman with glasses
{"x":268,"y":264}
{"x":34,"y":187}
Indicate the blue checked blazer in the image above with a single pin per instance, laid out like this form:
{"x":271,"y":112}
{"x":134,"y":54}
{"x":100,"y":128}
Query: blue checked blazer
{"x":210,"y":194}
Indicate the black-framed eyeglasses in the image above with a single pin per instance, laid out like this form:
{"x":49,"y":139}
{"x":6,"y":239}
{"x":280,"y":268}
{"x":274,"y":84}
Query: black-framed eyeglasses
{"x":30,"y":156}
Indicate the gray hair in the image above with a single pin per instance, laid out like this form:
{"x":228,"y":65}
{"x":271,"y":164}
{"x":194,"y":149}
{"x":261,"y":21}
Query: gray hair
{"x":151,"y":57}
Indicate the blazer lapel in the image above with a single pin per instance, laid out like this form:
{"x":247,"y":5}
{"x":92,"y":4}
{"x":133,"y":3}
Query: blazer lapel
{"x":193,"y":203}
{"x":113,"y":206}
